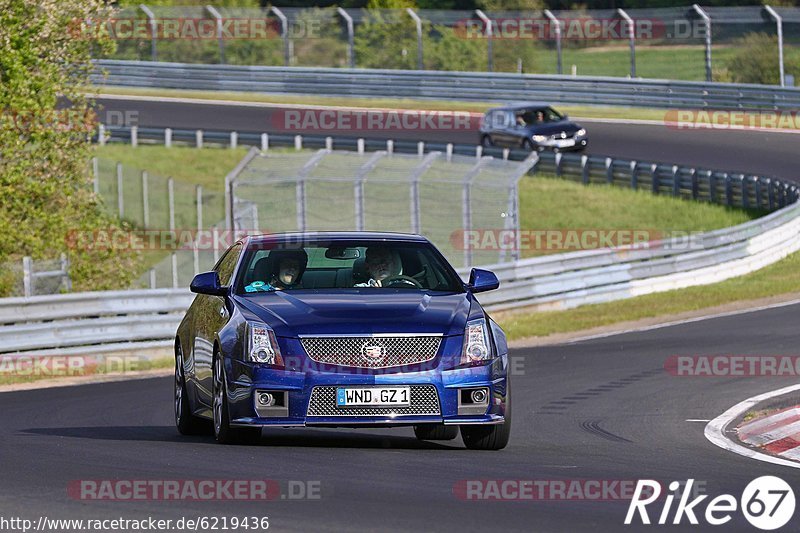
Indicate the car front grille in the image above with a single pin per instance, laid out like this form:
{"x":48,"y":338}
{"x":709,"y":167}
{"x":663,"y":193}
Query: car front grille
{"x":424,"y":401}
{"x":376,"y":351}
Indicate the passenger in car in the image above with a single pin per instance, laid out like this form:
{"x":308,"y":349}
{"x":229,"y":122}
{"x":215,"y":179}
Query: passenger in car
{"x":284,"y":271}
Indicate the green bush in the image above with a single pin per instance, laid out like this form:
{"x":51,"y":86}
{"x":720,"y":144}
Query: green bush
{"x":756,"y":61}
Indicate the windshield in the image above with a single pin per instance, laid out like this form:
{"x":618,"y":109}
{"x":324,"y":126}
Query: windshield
{"x":347,"y":265}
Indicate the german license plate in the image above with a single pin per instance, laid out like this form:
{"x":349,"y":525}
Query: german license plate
{"x":373,"y":397}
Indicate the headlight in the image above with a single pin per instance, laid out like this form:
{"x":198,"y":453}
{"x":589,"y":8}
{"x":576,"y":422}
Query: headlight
{"x":580,"y":132}
{"x":262,"y":345}
{"x":476,"y":342}
{"x":539,"y":138}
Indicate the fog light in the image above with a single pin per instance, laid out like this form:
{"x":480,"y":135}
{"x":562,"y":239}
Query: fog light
{"x":266,"y":399}
{"x":478,"y":396}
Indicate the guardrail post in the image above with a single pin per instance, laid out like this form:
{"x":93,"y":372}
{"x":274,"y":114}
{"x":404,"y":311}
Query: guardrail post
{"x":234,"y":140}
{"x":120,"y":199}
{"x":420,"y":149}
{"x":609,"y":171}
{"x":654,"y":182}
{"x":215,"y":241}
{"x":284,"y":34}
{"x":634,"y":177}
{"x":489,"y":35}
{"x":168,"y":137}
{"x":329,"y":143}
{"x":95,"y":176}
{"x":632,"y":30}
{"x":220,"y":40}
{"x":27,"y":276}
{"x":707,"y":20}
{"x":676,"y":181}
{"x":695,"y":184}
{"x":558,"y":157}
{"x":151,"y":18}
{"x":360,"y":146}
{"x":351,"y":47}
{"x":554,"y":20}
{"x":145,"y":200}
{"x":298,"y":142}
{"x":418,"y":23}
{"x":134,"y":136}
{"x":264,"y":142}
{"x":779,"y":25}
{"x":449,"y":152}
{"x":198,"y":139}
{"x":390,"y":146}
{"x":759,"y":192}
{"x":101,"y":134}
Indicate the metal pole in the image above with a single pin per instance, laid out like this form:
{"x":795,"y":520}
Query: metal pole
{"x":699,"y":10}
{"x":779,"y":24}
{"x":418,"y":22}
{"x":632,"y":29}
{"x":199,"y":202}
{"x":174,"y":270}
{"x":120,"y":199}
{"x":351,"y":46}
{"x":171,"y":199}
{"x":218,"y":18}
{"x":65,"y":269}
{"x":489,"y":33}
{"x":300,"y":200}
{"x":145,"y":201}
{"x":284,"y":34}
{"x":27,"y":278}
{"x":153,"y":31}
{"x":554,"y":20}
{"x":96,"y":176}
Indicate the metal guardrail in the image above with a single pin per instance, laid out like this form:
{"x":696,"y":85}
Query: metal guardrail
{"x":440,"y":85}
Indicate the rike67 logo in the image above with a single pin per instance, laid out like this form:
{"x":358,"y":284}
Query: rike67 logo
{"x":767,"y":503}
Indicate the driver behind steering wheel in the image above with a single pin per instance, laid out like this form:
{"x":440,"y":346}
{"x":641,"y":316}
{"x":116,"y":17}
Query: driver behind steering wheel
{"x":382,"y":263}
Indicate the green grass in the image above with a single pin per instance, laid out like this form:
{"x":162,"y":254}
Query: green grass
{"x":779,"y":278}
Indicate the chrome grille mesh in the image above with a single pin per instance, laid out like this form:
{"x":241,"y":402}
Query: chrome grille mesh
{"x":372,"y":351}
{"x":424,"y":401}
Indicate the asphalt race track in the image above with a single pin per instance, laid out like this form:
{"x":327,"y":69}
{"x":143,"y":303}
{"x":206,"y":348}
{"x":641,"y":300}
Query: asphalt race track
{"x":758,"y":152}
{"x":603,"y":409}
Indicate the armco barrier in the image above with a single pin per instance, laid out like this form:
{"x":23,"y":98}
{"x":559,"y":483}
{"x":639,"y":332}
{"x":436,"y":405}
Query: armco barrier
{"x":441,"y":85}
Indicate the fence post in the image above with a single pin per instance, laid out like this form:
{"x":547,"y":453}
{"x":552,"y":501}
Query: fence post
{"x":152,"y":275}
{"x":418,"y":23}
{"x":489,"y":35}
{"x":779,"y":23}
{"x":300,"y":204}
{"x":351,"y":47}
{"x":120,"y":199}
{"x":101,"y":135}
{"x":298,"y":142}
{"x":449,"y":152}
{"x":198,"y":139}
{"x":174,"y":270}
{"x":65,"y":269}
{"x":284,"y":34}
{"x":220,"y":40}
{"x":707,"y":20}
{"x":360,"y":145}
{"x":632,"y":29}
{"x":134,"y":136}
{"x":234,"y":139}
{"x":390,"y":146}
{"x":27,"y":276}
{"x":557,"y":23}
{"x":329,"y":143}
{"x":676,"y":181}
{"x":420,"y":149}
{"x":199,"y":204}
{"x":95,"y":176}
{"x":168,"y":137}
{"x":585,"y":169}
{"x":171,"y":201}
{"x":145,"y":200}
{"x":264,"y":142}
{"x":153,"y":31}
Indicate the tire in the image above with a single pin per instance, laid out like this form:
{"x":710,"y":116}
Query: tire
{"x":486,"y":141}
{"x":489,"y":437}
{"x":185,"y":421}
{"x":436,"y":432}
{"x":223,"y":432}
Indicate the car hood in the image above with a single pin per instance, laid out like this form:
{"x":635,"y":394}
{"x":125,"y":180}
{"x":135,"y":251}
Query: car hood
{"x":554,"y":128}
{"x":359,"y":311}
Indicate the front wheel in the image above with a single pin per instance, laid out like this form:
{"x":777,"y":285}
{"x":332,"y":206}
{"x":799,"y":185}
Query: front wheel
{"x":223,"y":432}
{"x":436,"y":432}
{"x":489,"y":437}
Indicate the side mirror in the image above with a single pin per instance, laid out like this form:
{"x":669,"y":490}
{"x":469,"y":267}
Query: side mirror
{"x":208,"y":283}
{"x":482,"y":280}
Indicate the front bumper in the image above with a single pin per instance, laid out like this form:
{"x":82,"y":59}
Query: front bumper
{"x":436,"y":396}
{"x":564,"y":145}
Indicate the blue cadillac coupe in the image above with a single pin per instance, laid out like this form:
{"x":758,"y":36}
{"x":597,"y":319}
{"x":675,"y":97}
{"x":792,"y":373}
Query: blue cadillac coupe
{"x":341,"y":330}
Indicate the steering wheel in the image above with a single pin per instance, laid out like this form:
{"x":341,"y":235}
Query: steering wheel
{"x":400,"y":279}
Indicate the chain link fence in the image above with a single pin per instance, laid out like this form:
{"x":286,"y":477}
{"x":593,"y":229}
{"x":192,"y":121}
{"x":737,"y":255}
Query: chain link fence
{"x":439,"y":195}
{"x":685,"y":43}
